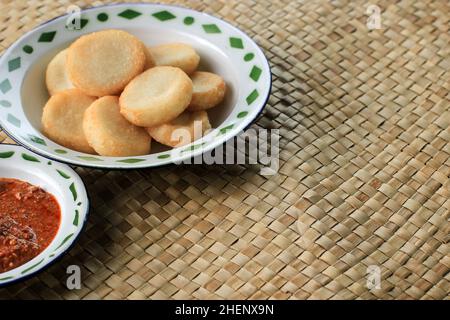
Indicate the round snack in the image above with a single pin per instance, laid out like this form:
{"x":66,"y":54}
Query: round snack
{"x":56,"y":76}
{"x":150,"y":61}
{"x":110,"y":134}
{"x":156,"y":96}
{"x":62,"y":119}
{"x":102,"y":63}
{"x":178,"y":55}
{"x":209,"y":90}
{"x":187,"y":127}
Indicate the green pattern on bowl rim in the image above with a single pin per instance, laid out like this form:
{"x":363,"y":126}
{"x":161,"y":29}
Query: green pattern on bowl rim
{"x":246,"y":70}
{"x":61,"y":181}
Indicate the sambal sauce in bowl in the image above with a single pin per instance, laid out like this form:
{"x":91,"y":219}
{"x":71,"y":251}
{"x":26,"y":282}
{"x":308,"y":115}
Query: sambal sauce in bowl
{"x":43,"y":207}
{"x":29,"y":220}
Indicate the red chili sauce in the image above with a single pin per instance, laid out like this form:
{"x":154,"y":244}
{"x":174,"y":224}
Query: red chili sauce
{"x":29,"y":220}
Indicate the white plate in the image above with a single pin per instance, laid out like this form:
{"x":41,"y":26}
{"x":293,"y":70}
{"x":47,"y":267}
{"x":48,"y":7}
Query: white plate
{"x":224,"y":50}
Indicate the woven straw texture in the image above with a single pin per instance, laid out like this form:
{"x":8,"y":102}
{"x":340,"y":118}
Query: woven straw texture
{"x":364,"y":170}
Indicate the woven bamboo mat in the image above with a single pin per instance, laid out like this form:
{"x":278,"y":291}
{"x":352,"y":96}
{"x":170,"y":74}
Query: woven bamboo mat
{"x":364,"y":171}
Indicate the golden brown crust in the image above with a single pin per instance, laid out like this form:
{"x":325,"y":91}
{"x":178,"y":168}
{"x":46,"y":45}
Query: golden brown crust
{"x":62,"y":119}
{"x":178,"y":55}
{"x":186,"y":128}
{"x":56,"y":77}
{"x":110,"y":134}
{"x":156,"y":96}
{"x":209,"y":90}
{"x":102,"y":63}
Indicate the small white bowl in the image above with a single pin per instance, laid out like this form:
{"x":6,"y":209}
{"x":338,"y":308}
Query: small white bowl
{"x":223,"y":49}
{"x":68,"y":189}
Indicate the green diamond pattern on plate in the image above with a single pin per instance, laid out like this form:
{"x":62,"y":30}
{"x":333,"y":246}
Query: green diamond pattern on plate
{"x":14,"y":64}
{"x":211,"y":28}
{"x":194,"y":147}
{"x":242,"y":114}
{"x":129,"y":14}
{"x":73,"y":26}
{"x":5,"y":86}
{"x":252,"y":97}
{"x":7,"y":154}
{"x":83,"y":23}
{"x":131,"y":160}
{"x":102,"y":17}
{"x":47,"y":36}
{"x":60,"y":151}
{"x":5,"y":103}
{"x":255,"y":73}
{"x":249,"y":56}
{"x":37,"y":139}
{"x":13,"y":120}
{"x":163,"y":156}
{"x":64,"y":241}
{"x":32,"y":267}
{"x":89,"y":158}
{"x":29,"y":158}
{"x":27,"y":49}
{"x":188,"y":21}
{"x":225,"y":129}
{"x":76,"y":218}
{"x":163,"y":15}
{"x":73,"y":191}
{"x":236,"y":43}
{"x":63,"y":174}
